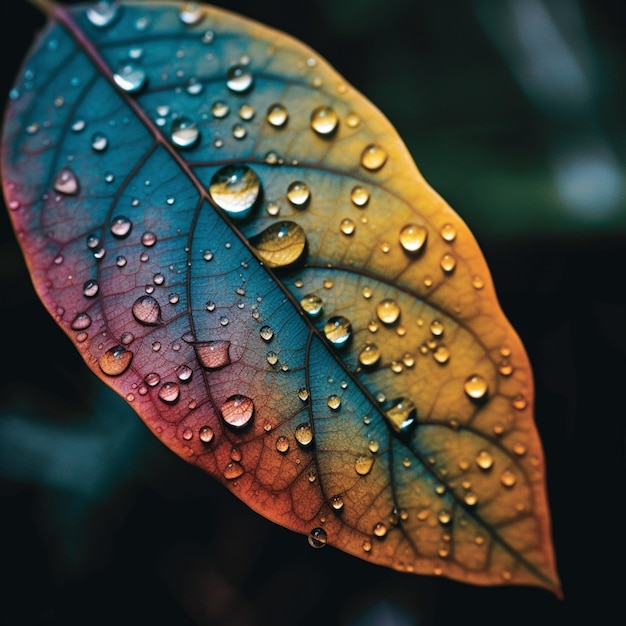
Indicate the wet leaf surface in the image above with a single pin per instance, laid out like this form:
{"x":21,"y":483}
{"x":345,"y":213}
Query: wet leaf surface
{"x":240,"y":245}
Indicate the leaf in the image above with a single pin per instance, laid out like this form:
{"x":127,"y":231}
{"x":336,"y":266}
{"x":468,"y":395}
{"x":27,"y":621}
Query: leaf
{"x":240,"y":245}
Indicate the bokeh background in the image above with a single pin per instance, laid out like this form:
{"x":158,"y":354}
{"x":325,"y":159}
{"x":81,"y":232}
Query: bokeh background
{"x":514,"y":112}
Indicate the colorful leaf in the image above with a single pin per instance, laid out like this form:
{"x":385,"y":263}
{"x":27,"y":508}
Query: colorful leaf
{"x":240,"y":245}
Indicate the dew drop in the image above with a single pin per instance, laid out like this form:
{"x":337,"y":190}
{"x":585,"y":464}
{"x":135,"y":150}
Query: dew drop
{"x":169,"y":393}
{"x":194,"y":87}
{"x":436,"y":328}
{"x":99,"y":142}
{"x":337,"y":503}
{"x":380,"y":530}
{"x":282,"y":444}
{"x":324,"y":121}
{"x":402,"y":415}
{"x":475,"y":387}
{"x":213,"y":354}
{"x":519,"y":402}
{"x":277,"y":115}
{"x":353,"y":120}
{"x":280,"y":244}
{"x":508,"y":479}
{"x":441,"y":355}
{"x":303,"y":394}
{"x":187,"y":434}
{"x":338,"y":330}
{"x":444,"y":517}
{"x":121,"y":227}
{"x":312,"y":305}
{"x":102,"y":14}
{"x":81,"y":322}
{"x":448,"y":263}
{"x":130,"y":78}
{"x":184,"y":133}
{"x":90,"y":289}
{"x":484,"y":460}
{"x":373,"y":157}
{"x":347,"y":226}
{"x":333,"y":402}
{"x":271,"y":357}
{"x":363,"y":465}
{"x":369,"y":355}
{"x":66,"y":182}
{"x":220,"y":109}
{"x":147,"y":311}
{"x":239,"y":79}
{"x":115,"y":361}
{"x":471,"y":499}
{"x":190,"y":13}
{"x":298,"y":194}
{"x":413,"y":238}
{"x":448,"y":233}
{"x":235,"y":189}
{"x":206,"y":434}
{"x":304,"y":434}
{"x":232,"y":471}
{"x":505,"y":368}
{"x":237,"y":411}
{"x":519,"y":448}
{"x":317,"y":538}
{"x":388,"y":311}
{"x":184,"y":373}
{"x":359,"y":196}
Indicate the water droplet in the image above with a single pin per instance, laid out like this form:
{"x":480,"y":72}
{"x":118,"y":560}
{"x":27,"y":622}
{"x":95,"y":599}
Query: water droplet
{"x":337,"y":503}
{"x":78,"y":126}
{"x":280,"y":244}
{"x":353,"y":120}
{"x":239,"y":79}
{"x":184,"y":373}
{"x":169,"y":393}
{"x":303,"y":394}
{"x":413,"y":238}
{"x":508,"y":479}
{"x":213,"y":354}
{"x":360,"y":196}
{"x":484,"y":460}
{"x":121,"y":227}
{"x":448,"y":263}
{"x":194,"y":87}
{"x":519,"y":448}
{"x":312,"y":305}
{"x":324,"y":121}
{"x":475,"y":387}
{"x":304,"y":434}
{"x":173,"y":298}
{"x":219,"y":109}
{"x":184,"y":133}
{"x":190,"y":13}
{"x":333,"y":402}
{"x":369,"y":355}
{"x":130,"y":78}
{"x":298,"y":194}
{"x":277,"y":115}
{"x":448,"y":232}
{"x":282,"y":444}
{"x":402,"y":415}
{"x":66,"y":182}
{"x":317,"y":538}
{"x":239,"y":132}
{"x":471,"y":499}
{"x":232,"y":471}
{"x":373,"y":157}
{"x":235,"y":188}
{"x":271,"y":357}
{"x":441,"y":354}
{"x":90,"y":289}
{"x":444,"y":517}
{"x":380,"y":530}
{"x":347,"y":226}
{"x":505,"y":368}
{"x":81,"y":322}
{"x":363,"y":465}
{"x":115,"y":361}
{"x":187,"y":434}
{"x":436,"y":328}
{"x":206,"y":434}
{"x":519,"y":402}
{"x":102,"y":14}
{"x":99,"y":142}
{"x":338,"y":330}
{"x":246,"y":112}
{"x":237,"y":411}
{"x":147,"y":311}
{"x":388,"y":311}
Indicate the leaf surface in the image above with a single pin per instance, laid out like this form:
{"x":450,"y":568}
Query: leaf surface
{"x":239,"y":244}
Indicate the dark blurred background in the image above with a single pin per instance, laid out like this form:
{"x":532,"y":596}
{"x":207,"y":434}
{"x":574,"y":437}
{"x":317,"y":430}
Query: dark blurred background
{"x":514,"y":112}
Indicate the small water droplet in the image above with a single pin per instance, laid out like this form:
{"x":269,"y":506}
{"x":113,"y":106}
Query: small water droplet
{"x":237,"y":411}
{"x":303,"y":394}
{"x":184,"y":133}
{"x":206,"y":434}
{"x":333,"y":402}
{"x":380,"y":530}
{"x":388,"y":311}
{"x":246,"y":112}
{"x":66,"y":182}
{"x":444,"y":517}
{"x":519,"y":402}
{"x":363,"y":465}
{"x":169,"y":393}
{"x":360,"y":196}
{"x":324,"y":121}
{"x":187,"y":434}
{"x":402,"y":415}
{"x":78,"y":126}
{"x":373,"y":157}
{"x":173,"y":298}
{"x":448,"y":263}
{"x":475,"y":387}
{"x":484,"y":460}
{"x":81,"y":322}
{"x":505,"y":368}
{"x":90,"y":289}
{"x":369,"y":355}
{"x":147,"y":311}
{"x":213,"y":354}
{"x":519,"y":448}
{"x":338,"y":330}
{"x":99,"y":142}
{"x":347,"y":226}
{"x":190,"y":13}
{"x":267,"y":333}
{"x":304,"y":434}
{"x":353,"y":120}
{"x":121,"y":227}
{"x":271,"y":357}
{"x":298,"y":194}
{"x":436,"y":328}
{"x":448,"y":233}
{"x":239,"y":79}
{"x":194,"y":87}
{"x":508,"y":479}
{"x":441,"y":354}
{"x":235,"y":189}
{"x":219,"y":109}
{"x":102,"y":14}
{"x":130,"y":78}
{"x":232,"y":471}
{"x":280,"y":244}
{"x":413,"y":238}
{"x":282,"y":444}
{"x":337,"y":503}
{"x":184,"y":373}
{"x":152,"y":379}
{"x":317,"y":538}
{"x":277,"y":115}
{"x":312,"y":305}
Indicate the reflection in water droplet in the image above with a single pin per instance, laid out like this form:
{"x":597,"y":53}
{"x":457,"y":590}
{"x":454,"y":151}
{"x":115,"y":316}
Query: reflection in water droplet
{"x":282,"y":444}
{"x":148,"y":239}
{"x":66,"y":182}
{"x":402,"y":415}
{"x":312,"y":305}
{"x":239,"y":79}
{"x":388,"y":311}
{"x":213,"y":354}
{"x":475,"y":387}
{"x":147,"y":311}
{"x":484,"y":460}
{"x":102,"y":14}
{"x":184,"y":133}
{"x":130,"y":78}
{"x":99,"y":142}
{"x":318,"y":538}
{"x":304,"y":434}
{"x":232,"y":471}
{"x":280,"y":244}
{"x":277,"y":115}
{"x":121,"y":227}
{"x":115,"y":361}
{"x":90,"y":289}
{"x":448,"y":263}
{"x":338,"y":330}
{"x":373,"y":157}
{"x":267,"y":333}
{"x":169,"y":393}
{"x":413,"y":238}
{"x":360,"y":196}
{"x":298,"y":194}
{"x":190,"y":13}
{"x":237,"y":411}
{"x":324,"y":121}
{"x":448,"y":232}
{"x":369,"y":355}
{"x":363,"y":465}
{"x":235,"y":188}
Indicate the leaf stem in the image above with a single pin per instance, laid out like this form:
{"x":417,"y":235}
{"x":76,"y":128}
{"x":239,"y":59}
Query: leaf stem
{"x":45,"y":6}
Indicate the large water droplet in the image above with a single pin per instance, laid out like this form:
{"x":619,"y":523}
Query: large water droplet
{"x":475,"y":387}
{"x":373,"y":157}
{"x":190,"y":13}
{"x":277,"y":115}
{"x":131,"y":78}
{"x":318,"y":538}
{"x":363,"y":465}
{"x":369,"y":355}
{"x":402,"y":415}
{"x":102,"y":14}
{"x":312,"y":305}
{"x":239,"y":79}
{"x":121,"y":227}
{"x":184,"y":133}
{"x":115,"y":361}
{"x":147,"y":311}
{"x":324,"y":121}
{"x":213,"y":354}
{"x":237,"y":411}
{"x":338,"y":330}
{"x":388,"y":311}
{"x":169,"y":393}
{"x":280,"y":244}
{"x":235,"y":188}
{"x":304,"y":434}
{"x":298,"y":194}
{"x":413,"y":238}
{"x":66,"y":182}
